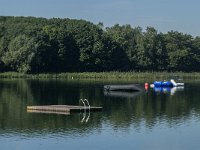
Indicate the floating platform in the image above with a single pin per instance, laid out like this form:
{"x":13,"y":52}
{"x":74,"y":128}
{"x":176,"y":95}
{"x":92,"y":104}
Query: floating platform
{"x":61,"y":109}
{"x":127,"y":87}
{"x":123,"y":94}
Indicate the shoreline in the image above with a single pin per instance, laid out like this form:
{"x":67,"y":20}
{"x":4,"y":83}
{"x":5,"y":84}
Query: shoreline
{"x":104,"y":75}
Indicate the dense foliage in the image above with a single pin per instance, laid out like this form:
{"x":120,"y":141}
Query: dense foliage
{"x":39,"y":45}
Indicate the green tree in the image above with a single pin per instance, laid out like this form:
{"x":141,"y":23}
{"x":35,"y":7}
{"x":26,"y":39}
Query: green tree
{"x":21,"y":52}
{"x":196,"y":54}
{"x":179,"y":49}
{"x":154,"y":50}
{"x":124,"y":38}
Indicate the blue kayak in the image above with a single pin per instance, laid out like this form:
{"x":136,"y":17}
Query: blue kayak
{"x":163,"y":84}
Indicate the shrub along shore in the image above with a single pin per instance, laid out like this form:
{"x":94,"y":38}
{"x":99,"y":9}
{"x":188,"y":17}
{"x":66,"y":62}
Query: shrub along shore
{"x":105,"y":75}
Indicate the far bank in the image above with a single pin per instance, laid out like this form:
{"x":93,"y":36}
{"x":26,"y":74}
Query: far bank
{"x":105,"y":75}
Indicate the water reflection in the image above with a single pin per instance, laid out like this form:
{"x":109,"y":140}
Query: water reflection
{"x":15,"y":95}
{"x":119,"y":110}
{"x":170,"y":90}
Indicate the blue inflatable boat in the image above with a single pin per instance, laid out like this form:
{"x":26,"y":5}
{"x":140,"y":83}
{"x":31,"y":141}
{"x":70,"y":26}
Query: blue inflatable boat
{"x":167,"y":84}
{"x":163,"y":84}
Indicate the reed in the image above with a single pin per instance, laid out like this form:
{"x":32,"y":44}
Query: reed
{"x":106,"y":75}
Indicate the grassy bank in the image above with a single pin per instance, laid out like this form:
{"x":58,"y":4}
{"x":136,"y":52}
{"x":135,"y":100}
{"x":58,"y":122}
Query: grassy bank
{"x":105,"y":75}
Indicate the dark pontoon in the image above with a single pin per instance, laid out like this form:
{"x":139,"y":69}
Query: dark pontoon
{"x":127,"y":87}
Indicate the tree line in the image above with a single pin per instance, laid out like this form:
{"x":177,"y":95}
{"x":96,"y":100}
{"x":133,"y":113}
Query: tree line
{"x":40,"y":45}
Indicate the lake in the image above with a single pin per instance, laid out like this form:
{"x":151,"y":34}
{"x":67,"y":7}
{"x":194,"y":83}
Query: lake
{"x":159,"y":119}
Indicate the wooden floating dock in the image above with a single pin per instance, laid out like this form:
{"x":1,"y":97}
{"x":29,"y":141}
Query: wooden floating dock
{"x":62,"y":109}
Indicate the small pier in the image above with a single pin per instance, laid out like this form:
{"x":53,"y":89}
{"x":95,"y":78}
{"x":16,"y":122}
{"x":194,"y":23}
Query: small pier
{"x":62,"y":109}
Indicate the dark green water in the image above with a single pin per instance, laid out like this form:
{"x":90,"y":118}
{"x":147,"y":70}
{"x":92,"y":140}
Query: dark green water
{"x":153,"y":120}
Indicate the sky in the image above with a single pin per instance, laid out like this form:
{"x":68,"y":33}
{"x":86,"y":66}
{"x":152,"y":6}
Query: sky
{"x":163,"y":15}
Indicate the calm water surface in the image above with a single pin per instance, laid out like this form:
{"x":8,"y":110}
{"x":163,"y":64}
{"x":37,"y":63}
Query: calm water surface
{"x":154,"y":120}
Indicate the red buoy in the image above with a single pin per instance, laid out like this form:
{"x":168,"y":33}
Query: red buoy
{"x":146,"y":86}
